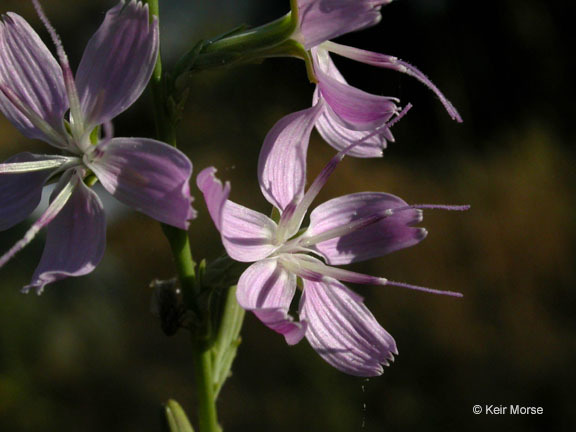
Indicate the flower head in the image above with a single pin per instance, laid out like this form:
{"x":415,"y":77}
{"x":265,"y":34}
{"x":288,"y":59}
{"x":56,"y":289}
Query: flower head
{"x":345,"y":113}
{"x":44,"y":100}
{"x":343,"y":230}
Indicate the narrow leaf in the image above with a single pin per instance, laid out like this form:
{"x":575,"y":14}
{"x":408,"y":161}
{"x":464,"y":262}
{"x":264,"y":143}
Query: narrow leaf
{"x":176,"y":417}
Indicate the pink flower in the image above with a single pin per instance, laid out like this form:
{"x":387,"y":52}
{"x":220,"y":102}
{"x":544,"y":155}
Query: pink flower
{"x":343,"y":230}
{"x":345,"y":113}
{"x":36,"y":93}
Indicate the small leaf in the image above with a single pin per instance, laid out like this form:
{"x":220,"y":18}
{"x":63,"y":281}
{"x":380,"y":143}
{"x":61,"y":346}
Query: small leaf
{"x":176,"y":417}
{"x":227,"y":340}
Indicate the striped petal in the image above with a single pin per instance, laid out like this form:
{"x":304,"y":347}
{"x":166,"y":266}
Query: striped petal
{"x":282,"y":160}
{"x":20,"y":193}
{"x":32,"y":93}
{"x":266,"y":289}
{"x":340,"y":136}
{"x":117,"y":63}
{"x":358,"y":227}
{"x":75,"y":241}
{"x":350,"y":113}
{"x":147,"y":175}
{"x":343,"y":331}
{"x":247,"y":235}
{"x":355,"y":108}
{"x":64,"y":190}
{"x":215,"y":194}
{"x":323,"y":20}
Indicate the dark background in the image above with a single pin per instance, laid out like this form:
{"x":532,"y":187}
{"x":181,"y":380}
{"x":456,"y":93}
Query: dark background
{"x":88,"y":355}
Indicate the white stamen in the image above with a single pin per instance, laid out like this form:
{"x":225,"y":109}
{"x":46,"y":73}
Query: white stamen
{"x":291,"y":221}
{"x":24,"y":167}
{"x":308,"y":267}
{"x":38,"y":122}
{"x":48,"y":216}
{"x":420,"y":207}
{"x":76,"y":116}
{"x":424,"y":289}
{"x":342,"y":230}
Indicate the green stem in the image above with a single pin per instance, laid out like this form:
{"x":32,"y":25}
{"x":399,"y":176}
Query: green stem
{"x":179,"y":241}
{"x":186,"y":267}
{"x":207,"y":417}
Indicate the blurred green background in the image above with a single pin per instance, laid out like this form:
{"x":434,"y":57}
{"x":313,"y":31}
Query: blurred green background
{"x":89,"y":356}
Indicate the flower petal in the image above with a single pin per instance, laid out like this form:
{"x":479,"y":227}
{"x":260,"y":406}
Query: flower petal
{"x":31,"y":75}
{"x":343,"y":331}
{"x":117,"y":63}
{"x":246,"y":234}
{"x":266,"y":289}
{"x":64,"y":190}
{"x":356,"y":109}
{"x":382,"y":236}
{"x":75,"y":241}
{"x":20,"y":193}
{"x":148,"y":175}
{"x":350,"y":113}
{"x":282,"y":161}
{"x":340,"y":136}
{"x":323,"y":20}
{"x":215,"y":194}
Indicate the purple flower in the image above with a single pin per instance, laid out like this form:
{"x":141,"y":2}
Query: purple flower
{"x":343,"y":230}
{"x":36,"y":93}
{"x":344,"y":114}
